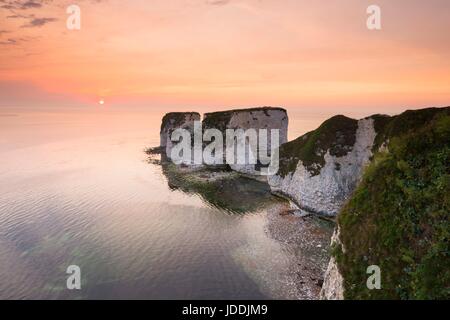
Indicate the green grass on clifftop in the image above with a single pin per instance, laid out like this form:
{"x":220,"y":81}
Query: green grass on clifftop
{"x":398,"y":217}
{"x":338,"y":134}
{"x":220,"y":119}
{"x":388,"y":127}
{"x":176,"y":119}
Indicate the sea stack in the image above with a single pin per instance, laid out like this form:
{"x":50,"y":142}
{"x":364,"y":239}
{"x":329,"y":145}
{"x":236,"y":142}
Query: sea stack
{"x":172,"y":121}
{"x":252,"y":118}
{"x":267,"y":118}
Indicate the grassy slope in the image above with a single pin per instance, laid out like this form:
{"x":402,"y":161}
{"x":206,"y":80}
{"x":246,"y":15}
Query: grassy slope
{"x":398,"y":217}
{"x":336,"y":134}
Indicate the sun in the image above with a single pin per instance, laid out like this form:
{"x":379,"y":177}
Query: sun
{"x":101,"y":102}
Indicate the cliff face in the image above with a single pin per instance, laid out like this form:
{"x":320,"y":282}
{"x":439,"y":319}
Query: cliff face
{"x":172,"y":121}
{"x":333,"y":283}
{"x":321,"y":169}
{"x":255,"y":118}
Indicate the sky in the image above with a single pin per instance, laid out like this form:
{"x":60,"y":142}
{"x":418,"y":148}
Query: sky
{"x":225,"y":53}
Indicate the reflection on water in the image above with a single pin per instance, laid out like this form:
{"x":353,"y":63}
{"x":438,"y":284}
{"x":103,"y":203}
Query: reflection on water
{"x":135,"y":229}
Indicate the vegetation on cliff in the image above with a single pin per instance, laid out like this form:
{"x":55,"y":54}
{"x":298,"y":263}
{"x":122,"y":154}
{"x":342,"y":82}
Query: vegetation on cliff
{"x":176,"y":119}
{"x":220,"y":119}
{"x":388,"y":127}
{"x":398,"y":217}
{"x":337,"y":134}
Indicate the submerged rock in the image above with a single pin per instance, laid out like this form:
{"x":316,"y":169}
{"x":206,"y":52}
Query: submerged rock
{"x":224,"y":189}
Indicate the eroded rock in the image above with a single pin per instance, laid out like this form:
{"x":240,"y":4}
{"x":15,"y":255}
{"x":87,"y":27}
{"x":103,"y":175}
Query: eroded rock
{"x":171,"y":122}
{"x":320,"y":175}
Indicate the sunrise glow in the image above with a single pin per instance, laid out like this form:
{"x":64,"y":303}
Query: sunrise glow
{"x":236,"y":53}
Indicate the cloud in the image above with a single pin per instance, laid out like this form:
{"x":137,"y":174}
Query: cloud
{"x":217,"y":2}
{"x":30,"y":4}
{"x":16,"y":41}
{"x":20,"y":16}
{"x":38,"y":22}
{"x":9,"y":42}
{"x":21,"y":5}
{"x":7,"y":7}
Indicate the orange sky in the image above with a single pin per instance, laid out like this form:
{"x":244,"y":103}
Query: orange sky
{"x":291,"y":53}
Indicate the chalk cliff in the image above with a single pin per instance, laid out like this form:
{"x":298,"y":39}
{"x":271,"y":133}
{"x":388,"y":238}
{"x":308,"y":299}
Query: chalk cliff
{"x":333,"y":283}
{"x":172,"y":121}
{"x":320,"y":169}
{"x":255,"y":118}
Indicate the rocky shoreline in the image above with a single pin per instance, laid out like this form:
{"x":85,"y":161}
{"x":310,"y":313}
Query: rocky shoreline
{"x":307,"y":238}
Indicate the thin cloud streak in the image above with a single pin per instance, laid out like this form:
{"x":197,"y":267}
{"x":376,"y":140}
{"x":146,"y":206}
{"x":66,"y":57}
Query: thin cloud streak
{"x":38,"y":22}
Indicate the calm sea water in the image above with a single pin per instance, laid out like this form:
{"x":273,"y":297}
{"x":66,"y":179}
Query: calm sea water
{"x":77,"y":189}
